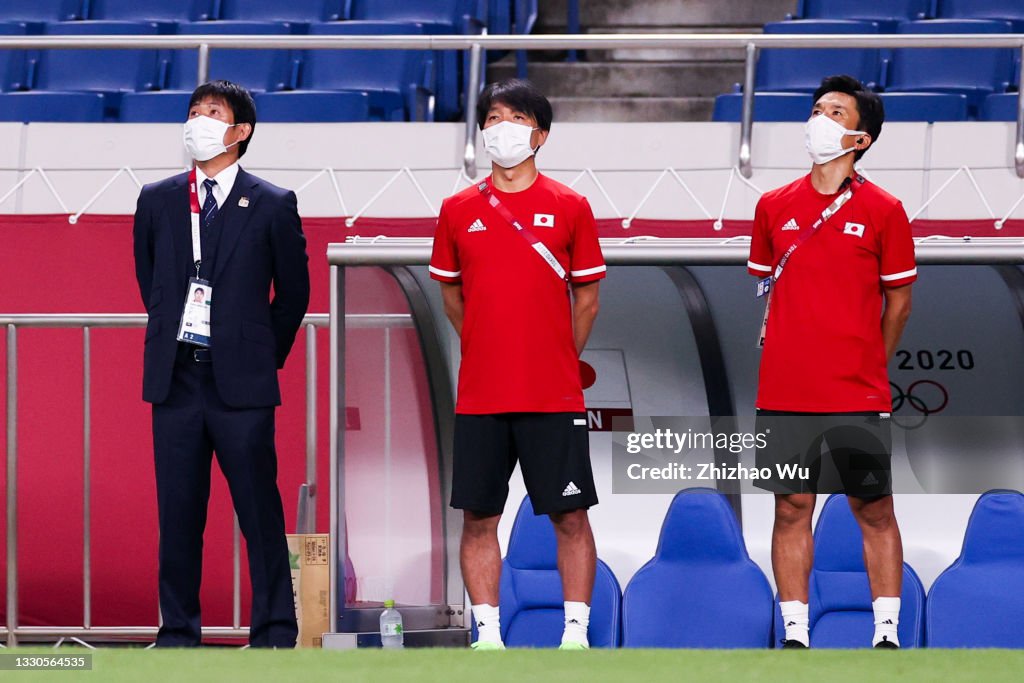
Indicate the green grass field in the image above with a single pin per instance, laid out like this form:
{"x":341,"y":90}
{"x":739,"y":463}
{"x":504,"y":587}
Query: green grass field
{"x":520,"y":666}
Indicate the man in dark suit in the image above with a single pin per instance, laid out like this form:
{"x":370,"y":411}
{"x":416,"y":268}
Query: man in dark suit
{"x":219,"y":397}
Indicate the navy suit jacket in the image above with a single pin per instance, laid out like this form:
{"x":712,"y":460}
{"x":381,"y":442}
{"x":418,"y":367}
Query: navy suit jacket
{"x":259,"y":245}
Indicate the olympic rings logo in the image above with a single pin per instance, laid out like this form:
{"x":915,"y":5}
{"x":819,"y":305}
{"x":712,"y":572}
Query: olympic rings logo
{"x":926,"y":403}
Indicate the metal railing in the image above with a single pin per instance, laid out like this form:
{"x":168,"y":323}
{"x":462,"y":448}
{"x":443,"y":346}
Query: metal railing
{"x":651,"y":251}
{"x":87,"y":322}
{"x":478,"y":44}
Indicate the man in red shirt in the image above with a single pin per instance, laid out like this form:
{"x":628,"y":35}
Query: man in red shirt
{"x":519,"y":262}
{"x":840,"y":259}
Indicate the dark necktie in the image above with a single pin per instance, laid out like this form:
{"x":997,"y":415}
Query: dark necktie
{"x":210,"y":205}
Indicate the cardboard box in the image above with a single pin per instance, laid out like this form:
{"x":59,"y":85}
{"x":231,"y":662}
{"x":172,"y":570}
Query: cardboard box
{"x":309,"y":555}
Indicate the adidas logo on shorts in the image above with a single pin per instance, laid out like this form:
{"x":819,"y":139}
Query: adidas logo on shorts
{"x":477,"y":226}
{"x":571,"y":490}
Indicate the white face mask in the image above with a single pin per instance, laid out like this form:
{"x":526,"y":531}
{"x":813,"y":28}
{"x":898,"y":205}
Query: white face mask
{"x":204,"y":137}
{"x":508,"y":144}
{"x":824,"y":138}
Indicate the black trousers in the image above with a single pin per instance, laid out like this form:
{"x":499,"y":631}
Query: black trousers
{"x":188,"y":428}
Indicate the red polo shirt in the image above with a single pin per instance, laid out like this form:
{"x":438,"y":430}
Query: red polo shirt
{"x":518,"y":349}
{"x":823,"y":349}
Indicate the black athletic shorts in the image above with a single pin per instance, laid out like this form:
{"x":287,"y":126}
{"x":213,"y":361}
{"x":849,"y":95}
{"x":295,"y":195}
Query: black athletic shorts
{"x":553,"y":450}
{"x":859,"y":446}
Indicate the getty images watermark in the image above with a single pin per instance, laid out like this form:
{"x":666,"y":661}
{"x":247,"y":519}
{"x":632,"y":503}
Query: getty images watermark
{"x":815,"y":454}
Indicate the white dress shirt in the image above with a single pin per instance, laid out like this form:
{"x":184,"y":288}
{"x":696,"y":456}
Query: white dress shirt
{"x":225,"y":181}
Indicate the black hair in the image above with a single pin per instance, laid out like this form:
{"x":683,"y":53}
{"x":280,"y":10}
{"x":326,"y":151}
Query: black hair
{"x":517,"y":94}
{"x":236,"y":97}
{"x":869,"y":105}
{"x":199,"y":290}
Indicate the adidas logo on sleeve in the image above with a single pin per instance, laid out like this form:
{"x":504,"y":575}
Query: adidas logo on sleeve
{"x":571,"y":490}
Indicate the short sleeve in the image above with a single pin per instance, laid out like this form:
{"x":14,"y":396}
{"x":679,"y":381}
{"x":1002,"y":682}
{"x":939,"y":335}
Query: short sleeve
{"x":759,"y":263}
{"x":898,"y":266}
{"x":586,"y":263}
{"x":444,"y":260}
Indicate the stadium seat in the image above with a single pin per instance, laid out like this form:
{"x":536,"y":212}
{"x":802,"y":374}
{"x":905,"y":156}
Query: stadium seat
{"x":12,"y":62}
{"x":399,"y":82}
{"x":977,"y":601}
{"x":453,"y":16}
{"x":168,"y":106}
{"x":801,"y":70}
{"x":438,"y":16}
{"x":40,"y":10}
{"x":1008,"y":10}
{"x":151,"y":10}
{"x":52,"y":107}
{"x":768,"y":107}
{"x":931,"y":107}
{"x":887,"y":13}
{"x":532,"y":613}
{"x":840,"y":597}
{"x":701,"y":589}
{"x":294,"y":11}
{"x":257,"y":70}
{"x":95,"y":70}
{"x":313,"y":107}
{"x":1001,"y":107}
{"x":975,"y":73}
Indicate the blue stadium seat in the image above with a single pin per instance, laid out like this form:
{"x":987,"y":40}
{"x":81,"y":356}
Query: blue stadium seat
{"x":701,"y":589}
{"x":1001,"y":107}
{"x":532,"y":613}
{"x":312,"y":107}
{"x":40,"y":10}
{"x":12,"y":62}
{"x":99,"y":70}
{"x":399,"y":82}
{"x":1009,"y":10}
{"x":60,"y":107}
{"x":452,"y":16}
{"x":257,"y":70}
{"x":438,"y":16}
{"x":294,"y":11}
{"x":931,"y":107}
{"x":801,"y":70}
{"x":168,"y":106}
{"x":151,"y":10}
{"x":768,"y":107}
{"x":975,"y":73}
{"x":840,"y":597}
{"x":977,"y":601}
{"x":887,"y":13}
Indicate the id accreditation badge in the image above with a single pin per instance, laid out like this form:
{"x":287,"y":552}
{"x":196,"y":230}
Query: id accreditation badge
{"x":764,"y":288}
{"x":195,"y":318}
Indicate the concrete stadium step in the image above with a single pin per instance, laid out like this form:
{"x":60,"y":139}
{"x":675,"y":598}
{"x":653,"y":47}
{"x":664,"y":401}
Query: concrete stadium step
{"x":670,"y":55}
{"x":645,"y":109}
{"x":627,"y":79}
{"x":597,"y":14}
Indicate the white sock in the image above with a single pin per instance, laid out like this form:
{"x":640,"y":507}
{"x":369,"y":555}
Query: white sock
{"x":577,"y":620}
{"x":796,"y":617}
{"x":488,"y":623}
{"x":887,"y":618}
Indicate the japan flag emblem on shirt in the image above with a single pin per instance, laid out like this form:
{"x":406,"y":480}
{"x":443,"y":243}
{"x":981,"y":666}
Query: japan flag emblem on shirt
{"x":543,"y":220}
{"x":855,"y":229}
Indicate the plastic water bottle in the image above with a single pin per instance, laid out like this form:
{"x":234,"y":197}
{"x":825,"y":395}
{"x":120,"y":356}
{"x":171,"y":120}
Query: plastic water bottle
{"x":392,"y":635}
